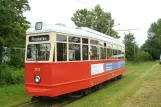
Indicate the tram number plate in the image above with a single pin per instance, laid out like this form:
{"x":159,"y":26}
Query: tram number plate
{"x":36,"y":69}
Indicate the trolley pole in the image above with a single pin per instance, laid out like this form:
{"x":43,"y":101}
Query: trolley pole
{"x":134,"y":38}
{"x":108,"y":27}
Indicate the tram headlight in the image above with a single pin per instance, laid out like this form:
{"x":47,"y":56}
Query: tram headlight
{"x":37,"y":79}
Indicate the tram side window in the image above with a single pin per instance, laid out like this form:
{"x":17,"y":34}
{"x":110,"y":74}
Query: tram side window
{"x":122,"y":52}
{"x":102,"y":53}
{"x":74,"y":39}
{"x":114,"y":51}
{"x":39,"y":52}
{"x":85,"y":52}
{"x":94,"y":53}
{"x":109,"y":53}
{"x":62,"y":38}
{"x":119,"y":54}
{"x":31,"y":52}
{"x":61,"y":52}
{"x":74,"y":52}
{"x":114,"y":54}
{"x":94,"y":42}
{"x":84,"y":41}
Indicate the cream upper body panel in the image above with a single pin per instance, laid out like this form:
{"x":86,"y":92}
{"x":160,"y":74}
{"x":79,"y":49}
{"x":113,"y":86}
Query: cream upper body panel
{"x":81,"y":31}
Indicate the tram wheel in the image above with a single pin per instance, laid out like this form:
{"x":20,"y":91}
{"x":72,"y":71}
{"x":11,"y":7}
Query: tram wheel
{"x":34,"y":98}
{"x":87,"y":91}
{"x":114,"y":79}
{"x":119,"y":77}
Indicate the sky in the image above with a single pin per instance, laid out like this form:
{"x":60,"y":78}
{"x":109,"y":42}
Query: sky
{"x":130,"y":14}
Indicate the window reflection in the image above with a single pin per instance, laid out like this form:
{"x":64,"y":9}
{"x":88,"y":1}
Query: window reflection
{"x":102,"y":53}
{"x":94,"y":42}
{"x":74,"y":52}
{"x":109,"y":53}
{"x":84,"y":41}
{"x":85,"y":52}
{"x":39,"y":52}
{"x":74,"y":39}
{"x":94,"y":53}
{"x":61,"y":52}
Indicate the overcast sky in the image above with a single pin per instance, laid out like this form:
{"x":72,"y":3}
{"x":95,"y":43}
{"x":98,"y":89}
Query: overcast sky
{"x":130,"y":14}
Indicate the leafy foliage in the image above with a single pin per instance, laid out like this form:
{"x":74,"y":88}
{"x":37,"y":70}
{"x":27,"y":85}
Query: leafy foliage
{"x":11,"y":75}
{"x":129,"y":46}
{"x":133,"y":52}
{"x":153,"y":43}
{"x":13,"y":26}
{"x":17,"y":57}
{"x":13,"y":23}
{"x":95,"y":19}
{"x":143,"y":56}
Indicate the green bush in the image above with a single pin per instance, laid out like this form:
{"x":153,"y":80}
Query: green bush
{"x":11,"y":75}
{"x":17,"y":58}
{"x":143,"y":56}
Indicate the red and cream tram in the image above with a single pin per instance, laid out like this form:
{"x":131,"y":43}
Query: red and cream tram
{"x":61,"y":60}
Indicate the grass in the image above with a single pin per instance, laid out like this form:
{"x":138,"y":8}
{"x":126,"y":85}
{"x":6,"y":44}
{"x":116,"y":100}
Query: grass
{"x":130,"y":91}
{"x":140,"y":87}
{"x":12,"y":95}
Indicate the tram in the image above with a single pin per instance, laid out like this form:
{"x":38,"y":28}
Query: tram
{"x":61,"y":60}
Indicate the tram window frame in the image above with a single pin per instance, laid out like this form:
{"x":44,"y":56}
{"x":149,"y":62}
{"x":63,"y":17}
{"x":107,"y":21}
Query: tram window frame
{"x":38,"y":52}
{"x":122,"y":52}
{"x":85,"y":53}
{"x":114,"y":52}
{"x":56,"y":46}
{"x":63,"y":50}
{"x":101,"y":44}
{"x":102,"y":53}
{"x":74,"y":53}
{"x":85,"y":41}
{"x":109,"y":51}
{"x":105,"y":51}
{"x":59,"y":35}
{"x":105,"y":44}
{"x":94,"y":56}
{"x":94,"y":42}
{"x":70,"y":41}
{"x":119,"y":51}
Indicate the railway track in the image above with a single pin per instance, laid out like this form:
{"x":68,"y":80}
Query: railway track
{"x":48,"y":103}
{"x":27,"y":103}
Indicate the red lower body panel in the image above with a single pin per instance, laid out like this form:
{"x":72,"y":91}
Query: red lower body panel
{"x":67,"y":77}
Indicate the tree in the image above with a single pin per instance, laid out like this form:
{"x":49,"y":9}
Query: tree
{"x":153,"y":42}
{"x":130,"y":45}
{"x":13,"y":24}
{"x":133,"y":52}
{"x":95,"y":19}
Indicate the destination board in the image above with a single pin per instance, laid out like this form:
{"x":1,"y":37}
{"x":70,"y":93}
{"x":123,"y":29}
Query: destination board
{"x":39,"y":38}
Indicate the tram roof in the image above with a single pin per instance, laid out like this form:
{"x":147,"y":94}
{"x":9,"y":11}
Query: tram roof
{"x":79,"y":31}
